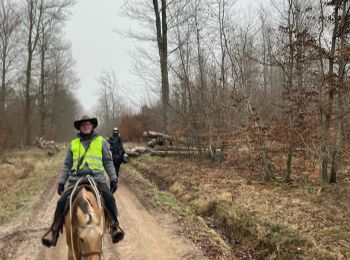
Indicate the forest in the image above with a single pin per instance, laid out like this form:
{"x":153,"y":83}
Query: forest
{"x":251,"y":98}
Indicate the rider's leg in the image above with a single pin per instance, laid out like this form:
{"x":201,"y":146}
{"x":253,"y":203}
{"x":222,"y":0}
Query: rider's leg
{"x":116,"y":164}
{"x":51,"y":236}
{"x":116,"y":232}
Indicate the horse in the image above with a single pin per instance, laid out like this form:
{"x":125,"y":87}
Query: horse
{"x":85,"y":223}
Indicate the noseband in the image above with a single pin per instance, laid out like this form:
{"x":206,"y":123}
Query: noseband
{"x":85,"y":254}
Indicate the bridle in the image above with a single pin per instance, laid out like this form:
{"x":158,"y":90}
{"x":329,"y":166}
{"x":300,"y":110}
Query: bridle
{"x":90,"y":253}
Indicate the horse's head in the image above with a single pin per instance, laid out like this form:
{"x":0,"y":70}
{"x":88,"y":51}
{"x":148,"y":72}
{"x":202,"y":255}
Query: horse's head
{"x":90,"y":242}
{"x":90,"y":226}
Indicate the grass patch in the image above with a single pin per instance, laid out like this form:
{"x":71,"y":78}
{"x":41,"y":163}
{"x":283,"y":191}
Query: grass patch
{"x":156,"y":196}
{"x":195,"y":227}
{"x":276,"y":220}
{"x":27,"y":189}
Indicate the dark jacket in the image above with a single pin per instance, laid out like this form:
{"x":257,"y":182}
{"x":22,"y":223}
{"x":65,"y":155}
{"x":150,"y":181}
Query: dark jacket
{"x":96,"y":175}
{"x":116,"y":147}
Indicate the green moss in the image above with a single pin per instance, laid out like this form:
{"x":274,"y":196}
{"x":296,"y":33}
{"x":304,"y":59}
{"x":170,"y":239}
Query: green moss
{"x":168,"y":200}
{"x":345,"y":252}
{"x":158,"y":197}
{"x":337,"y":234}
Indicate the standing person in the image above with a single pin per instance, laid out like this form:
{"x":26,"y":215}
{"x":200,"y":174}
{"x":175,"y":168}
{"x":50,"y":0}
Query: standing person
{"x":87,"y":155}
{"x":117,"y":149}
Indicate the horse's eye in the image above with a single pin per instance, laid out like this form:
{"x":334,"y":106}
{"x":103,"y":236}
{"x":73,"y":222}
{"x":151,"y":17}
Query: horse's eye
{"x":81,"y":240}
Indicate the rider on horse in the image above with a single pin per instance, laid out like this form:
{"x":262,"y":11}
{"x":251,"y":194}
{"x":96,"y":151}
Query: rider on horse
{"x":116,"y":146}
{"x":88,"y":155}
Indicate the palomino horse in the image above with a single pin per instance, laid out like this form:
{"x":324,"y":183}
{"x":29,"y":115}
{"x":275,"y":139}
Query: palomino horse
{"x":85,"y":224}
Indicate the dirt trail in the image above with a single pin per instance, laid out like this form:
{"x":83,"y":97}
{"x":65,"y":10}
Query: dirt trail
{"x":148,"y":236}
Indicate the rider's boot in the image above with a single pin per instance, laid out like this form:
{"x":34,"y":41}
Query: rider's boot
{"x":51,"y":236}
{"x":117,"y":233}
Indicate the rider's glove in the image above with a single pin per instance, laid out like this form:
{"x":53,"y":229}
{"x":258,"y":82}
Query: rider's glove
{"x":114,"y":185}
{"x":60,"y":188}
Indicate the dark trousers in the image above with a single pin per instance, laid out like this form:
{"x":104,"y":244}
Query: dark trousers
{"x":116,"y":167}
{"x":106,"y":194}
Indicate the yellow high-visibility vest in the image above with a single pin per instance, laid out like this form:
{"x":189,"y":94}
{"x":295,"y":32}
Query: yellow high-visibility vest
{"x":93,"y":155}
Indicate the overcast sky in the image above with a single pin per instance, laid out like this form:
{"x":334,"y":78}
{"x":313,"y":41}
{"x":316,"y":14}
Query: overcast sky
{"x":96,"y":47}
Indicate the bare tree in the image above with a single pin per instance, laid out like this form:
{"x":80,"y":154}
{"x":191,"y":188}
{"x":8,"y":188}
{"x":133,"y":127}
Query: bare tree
{"x":50,"y":26}
{"x":9,"y":24}
{"x":343,"y":33}
{"x":162,"y":41}
{"x":111,"y":107}
{"x":33,"y":11}
{"x":160,"y":17}
{"x":34,"y":22}
{"x":62,"y":106}
{"x":44,"y":89}
{"x":331,"y":93}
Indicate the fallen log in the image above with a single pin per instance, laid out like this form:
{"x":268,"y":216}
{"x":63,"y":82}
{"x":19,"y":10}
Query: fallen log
{"x":136,"y":151}
{"x":164,"y":139}
{"x":165,"y":153}
{"x":158,"y":141}
{"x":44,"y":144}
{"x":182,"y":148}
{"x":174,"y":148}
{"x":170,"y":153}
{"x":153,"y":134}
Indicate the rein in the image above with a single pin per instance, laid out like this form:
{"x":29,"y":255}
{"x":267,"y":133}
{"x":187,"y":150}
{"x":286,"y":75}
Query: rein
{"x":98,"y":197}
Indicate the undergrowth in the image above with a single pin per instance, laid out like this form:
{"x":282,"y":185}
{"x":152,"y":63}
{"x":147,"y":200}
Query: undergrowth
{"x":27,"y":188}
{"x":277,"y":220}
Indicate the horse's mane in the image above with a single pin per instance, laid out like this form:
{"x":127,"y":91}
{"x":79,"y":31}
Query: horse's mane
{"x":87,"y":207}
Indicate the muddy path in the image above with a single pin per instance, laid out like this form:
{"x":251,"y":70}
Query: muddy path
{"x":148,"y":235}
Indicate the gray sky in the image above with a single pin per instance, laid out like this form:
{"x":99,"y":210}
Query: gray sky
{"x":96,"y":48}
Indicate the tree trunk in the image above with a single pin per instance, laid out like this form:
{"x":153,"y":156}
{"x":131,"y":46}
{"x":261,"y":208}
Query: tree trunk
{"x":339,"y":108}
{"x":42,"y":90}
{"x":222,"y":44}
{"x":27,"y":123}
{"x":290,"y":151}
{"x":162,"y":40}
{"x":338,"y":138}
{"x":34,"y":17}
{"x":3,"y":84}
{"x":327,"y":121}
{"x":290,"y":93}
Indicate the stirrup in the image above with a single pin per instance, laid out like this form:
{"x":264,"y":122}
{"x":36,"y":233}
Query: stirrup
{"x":117,"y":233}
{"x":48,"y":242}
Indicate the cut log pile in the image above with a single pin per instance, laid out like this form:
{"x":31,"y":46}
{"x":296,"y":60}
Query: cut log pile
{"x":50,"y":145}
{"x":161,"y":139}
{"x":136,"y":151}
{"x":159,"y":144}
